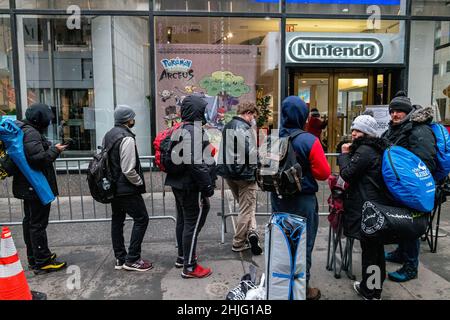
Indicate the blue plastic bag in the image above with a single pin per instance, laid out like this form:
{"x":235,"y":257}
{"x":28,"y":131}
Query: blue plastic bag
{"x":12,"y":137}
{"x":408,"y":179}
{"x":442,"y":151}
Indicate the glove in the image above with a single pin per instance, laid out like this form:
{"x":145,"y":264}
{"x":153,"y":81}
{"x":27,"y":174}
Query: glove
{"x":208,"y":191}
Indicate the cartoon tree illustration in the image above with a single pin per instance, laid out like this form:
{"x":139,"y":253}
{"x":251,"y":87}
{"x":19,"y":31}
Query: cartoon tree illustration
{"x":226,"y":85}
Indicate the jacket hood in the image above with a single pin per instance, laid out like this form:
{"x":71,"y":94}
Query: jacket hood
{"x":294,"y":113}
{"x":193,"y":109}
{"x":39,"y":116}
{"x":379,"y":144}
{"x":422,"y":114}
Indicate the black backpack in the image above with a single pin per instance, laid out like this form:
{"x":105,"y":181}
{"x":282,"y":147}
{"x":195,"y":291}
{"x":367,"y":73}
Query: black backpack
{"x":278,"y":169}
{"x":99,"y":176}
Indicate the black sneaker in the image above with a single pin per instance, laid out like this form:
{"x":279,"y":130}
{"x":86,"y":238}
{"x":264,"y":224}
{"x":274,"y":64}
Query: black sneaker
{"x":179,"y":263}
{"x":119,"y":264}
{"x":357,"y":287}
{"x":140,"y":265}
{"x":52,"y":266}
{"x":240,"y":292}
{"x":32,"y":262}
{"x":253,"y":239}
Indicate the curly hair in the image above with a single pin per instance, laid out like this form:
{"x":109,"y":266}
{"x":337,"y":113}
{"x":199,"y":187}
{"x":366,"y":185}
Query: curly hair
{"x":245,"y":107}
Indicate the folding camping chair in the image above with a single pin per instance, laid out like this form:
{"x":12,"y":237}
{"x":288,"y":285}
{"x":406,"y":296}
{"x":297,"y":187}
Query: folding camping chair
{"x":335,"y":232}
{"x":431,"y":236}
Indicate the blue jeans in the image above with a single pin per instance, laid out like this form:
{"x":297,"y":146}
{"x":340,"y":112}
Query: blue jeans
{"x":409,"y":251}
{"x":306,"y":206}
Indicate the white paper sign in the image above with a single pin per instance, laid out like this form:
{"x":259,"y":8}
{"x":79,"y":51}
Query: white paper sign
{"x":381,"y":114}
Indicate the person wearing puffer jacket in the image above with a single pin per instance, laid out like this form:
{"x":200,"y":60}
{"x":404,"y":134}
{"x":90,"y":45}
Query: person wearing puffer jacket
{"x":40,"y":154}
{"x":409,"y":128}
{"x":360,"y":165}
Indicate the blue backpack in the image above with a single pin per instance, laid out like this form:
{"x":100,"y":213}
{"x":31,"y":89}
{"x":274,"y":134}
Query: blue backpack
{"x":408,"y":179}
{"x":442,"y":151}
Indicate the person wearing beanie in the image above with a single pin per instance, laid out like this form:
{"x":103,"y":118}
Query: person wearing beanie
{"x":360,"y":166}
{"x":129,"y":186}
{"x":409,"y":128}
{"x":41,"y":155}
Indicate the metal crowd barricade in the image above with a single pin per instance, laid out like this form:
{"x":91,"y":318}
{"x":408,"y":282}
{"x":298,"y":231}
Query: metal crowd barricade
{"x":264,"y":210}
{"x":75,"y":204}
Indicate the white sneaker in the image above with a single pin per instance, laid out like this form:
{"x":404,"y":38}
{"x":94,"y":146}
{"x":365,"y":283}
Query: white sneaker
{"x":245,"y":246}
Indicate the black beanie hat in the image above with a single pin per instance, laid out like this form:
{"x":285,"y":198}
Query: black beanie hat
{"x":401,"y":103}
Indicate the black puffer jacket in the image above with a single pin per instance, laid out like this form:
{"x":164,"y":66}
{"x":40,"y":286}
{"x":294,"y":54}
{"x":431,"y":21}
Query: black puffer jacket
{"x":38,"y":150}
{"x":415,"y":135}
{"x":362,"y":168}
{"x":241,"y":168}
{"x":198,"y":176}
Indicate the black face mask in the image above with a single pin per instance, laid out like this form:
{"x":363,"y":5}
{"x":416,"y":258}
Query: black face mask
{"x":132,"y":125}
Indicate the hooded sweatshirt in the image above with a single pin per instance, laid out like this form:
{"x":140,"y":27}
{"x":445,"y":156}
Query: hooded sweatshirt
{"x":198,"y":174}
{"x":307,"y":147}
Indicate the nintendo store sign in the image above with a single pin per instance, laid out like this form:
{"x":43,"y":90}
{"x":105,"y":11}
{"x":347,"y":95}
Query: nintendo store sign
{"x":358,"y":49}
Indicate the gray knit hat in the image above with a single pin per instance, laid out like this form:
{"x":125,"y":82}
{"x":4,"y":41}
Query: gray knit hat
{"x":122,"y":114}
{"x":366,"y":124}
{"x":401,"y":103}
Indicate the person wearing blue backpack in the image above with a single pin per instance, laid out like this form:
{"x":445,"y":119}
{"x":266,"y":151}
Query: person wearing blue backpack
{"x":410,"y":128}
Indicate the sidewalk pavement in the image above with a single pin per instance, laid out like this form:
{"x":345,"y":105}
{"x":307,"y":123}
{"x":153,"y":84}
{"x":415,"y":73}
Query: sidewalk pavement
{"x":91,"y":275}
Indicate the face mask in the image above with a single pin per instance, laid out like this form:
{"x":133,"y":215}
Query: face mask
{"x":132,"y":125}
{"x":253,"y":123}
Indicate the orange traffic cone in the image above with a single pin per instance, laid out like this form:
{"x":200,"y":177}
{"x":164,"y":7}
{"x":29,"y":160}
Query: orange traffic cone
{"x":13,"y":283}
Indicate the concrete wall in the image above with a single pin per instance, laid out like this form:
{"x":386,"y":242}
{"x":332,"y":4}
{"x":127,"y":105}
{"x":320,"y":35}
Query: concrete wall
{"x":421,"y":62}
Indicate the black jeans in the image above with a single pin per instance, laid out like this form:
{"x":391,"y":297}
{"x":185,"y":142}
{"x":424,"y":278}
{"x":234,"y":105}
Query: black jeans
{"x":134,"y":205}
{"x":35,"y":224}
{"x":190,"y":221}
{"x":372,"y":256}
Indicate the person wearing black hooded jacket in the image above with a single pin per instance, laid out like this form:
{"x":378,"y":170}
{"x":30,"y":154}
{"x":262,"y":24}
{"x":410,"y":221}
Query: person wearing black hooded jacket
{"x":41,"y":155}
{"x":360,"y":165}
{"x":193,"y":186}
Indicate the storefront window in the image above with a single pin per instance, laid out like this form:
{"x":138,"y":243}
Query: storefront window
{"x":430,"y":7}
{"x":219,"y":5}
{"x":225,"y":60}
{"x":429,"y":77}
{"x":84,"y":73}
{"x":4,"y":4}
{"x":84,"y":4}
{"x":384,"y":7}
{"x":7,"y":92}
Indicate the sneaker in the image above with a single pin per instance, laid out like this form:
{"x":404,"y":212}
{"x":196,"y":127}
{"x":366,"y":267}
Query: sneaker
{"x":393,"y":257}
{"x":254,"y":244}
{"x":244,"y":247}
{"x":179,"y":263}
{"x":313,"y":293}
{"x":199,"y":272}
{"x":32,"y":262}
{"x":357,"y":288}
{"x":140,"y":265}
{"x":240,"y":292}
{"x":52,"y":266}
{"x":119,"y":264}
{"x":403,"y":274}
